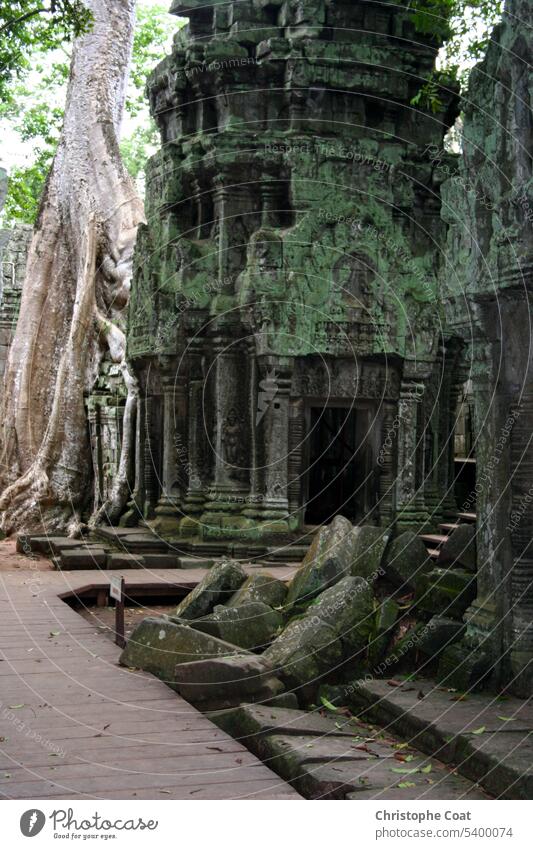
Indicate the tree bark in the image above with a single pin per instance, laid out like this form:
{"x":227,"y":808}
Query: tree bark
{"x":75,"y":291}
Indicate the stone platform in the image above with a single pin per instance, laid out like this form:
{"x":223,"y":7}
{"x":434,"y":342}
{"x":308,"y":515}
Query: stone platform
{"x":488,"y":738}
{"x":139,"y":548}
{"x":331,"y":756}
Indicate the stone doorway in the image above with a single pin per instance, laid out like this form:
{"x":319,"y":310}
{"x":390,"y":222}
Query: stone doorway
{"x":339,"y":476}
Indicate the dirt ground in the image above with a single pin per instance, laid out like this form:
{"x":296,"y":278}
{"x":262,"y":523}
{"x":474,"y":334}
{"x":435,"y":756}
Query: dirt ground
{"x":104,"y":617}
{"x":10,"y":559}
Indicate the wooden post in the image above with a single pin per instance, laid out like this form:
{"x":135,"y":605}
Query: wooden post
{"x":117,"y":591}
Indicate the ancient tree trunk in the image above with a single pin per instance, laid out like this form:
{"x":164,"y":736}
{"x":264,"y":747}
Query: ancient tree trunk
{"x":76,"y":288}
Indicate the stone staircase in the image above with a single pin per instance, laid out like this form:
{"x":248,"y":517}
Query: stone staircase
{"x":137,"y":548}
{"x":434,"y":542}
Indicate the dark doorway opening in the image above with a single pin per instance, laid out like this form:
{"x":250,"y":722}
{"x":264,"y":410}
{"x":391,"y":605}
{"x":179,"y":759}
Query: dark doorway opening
{"x":339,"y":480}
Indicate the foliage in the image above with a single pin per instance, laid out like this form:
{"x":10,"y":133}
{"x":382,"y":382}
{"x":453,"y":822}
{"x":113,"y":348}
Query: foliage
{"x":34,"y":109}
{"x":30,"y":25}
{"x":152,"y":33}
{"x":135,"y":148}
{"x":465,"y":26}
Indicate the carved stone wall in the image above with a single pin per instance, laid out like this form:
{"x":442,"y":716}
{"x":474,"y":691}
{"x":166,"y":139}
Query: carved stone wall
{"x":291,"y":256}
{"x":488,"y":290}
{"x":14,"y":246}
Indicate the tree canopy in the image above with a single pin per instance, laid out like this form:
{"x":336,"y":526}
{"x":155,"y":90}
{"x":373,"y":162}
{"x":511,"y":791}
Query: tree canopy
{"x":29,"y":25}
{"x":33,"y":111}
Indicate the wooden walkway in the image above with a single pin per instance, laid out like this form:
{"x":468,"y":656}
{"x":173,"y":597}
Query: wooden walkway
{"x":74,"y":724}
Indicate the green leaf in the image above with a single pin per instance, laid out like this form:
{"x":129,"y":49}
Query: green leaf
{"x":507,"y":718}
{"x":479,"y":730}
{"x":327,"y":704}
{"x":426,"y":769}
{"x":404,"y":771}
{"x":403,"y":784}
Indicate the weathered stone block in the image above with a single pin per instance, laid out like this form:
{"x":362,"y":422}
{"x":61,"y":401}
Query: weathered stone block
{"x":446,"y":591}
{"x":264,"y":588}
{"x":439,"y":634}
{"x":332,"y":631}
{"x":216,"y":587}
{"x":251,"y":625}
{"x":158,"y":645}
{"x":230,"y":680}
{"x":407,"y":560}
{"x":369,"y":544}
{"x":328,"y":560}
{"x":460,"y":548}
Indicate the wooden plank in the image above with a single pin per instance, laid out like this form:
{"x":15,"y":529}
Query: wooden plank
{"x":117,"y":733}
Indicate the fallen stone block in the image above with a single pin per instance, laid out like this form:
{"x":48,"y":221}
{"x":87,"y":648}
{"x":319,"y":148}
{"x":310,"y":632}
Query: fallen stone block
{"x":161,"y":561}
{"x":448,"y":592}
{"x":253,"y":721}
{"x":440,"y":633}
{"x":158,"y":645}
{"x":122,"y":560}
{"x":264,"y":588}
{"x":407,"y":561}
{"x":217,"y":587}
{"x":460,"y":548}
{"x":250,"y":626}
{"x":333,"y":630}
{"x":369,"y":545}
{"x":328,"y":559}
{"x":385,"y":621}
{"x":219,"y":683}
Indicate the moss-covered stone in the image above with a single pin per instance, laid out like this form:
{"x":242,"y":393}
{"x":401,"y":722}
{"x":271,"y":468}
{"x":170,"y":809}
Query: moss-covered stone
{"x":446,"y":591}
{"x":264,"y":588}
{"x":332,"y":631}
{"x":217,"y":587}
{"x":157,"y":645}
{"x":328,"y":560}
{"x":369,"y":544}
{"x":407,"y":561}
{"x":250,"y":626}
{"x":460,"y":548}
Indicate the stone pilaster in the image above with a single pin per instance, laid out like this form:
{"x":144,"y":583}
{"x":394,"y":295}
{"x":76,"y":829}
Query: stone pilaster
{"x":173,"y":461}
{"x":272,"y":424}
{"x":230,"y":478}
{"x":411,"y":511}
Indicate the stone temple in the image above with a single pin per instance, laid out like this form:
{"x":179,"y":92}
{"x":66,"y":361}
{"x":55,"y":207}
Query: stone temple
{"x":330,"y":324}
{"x":285,"y":322}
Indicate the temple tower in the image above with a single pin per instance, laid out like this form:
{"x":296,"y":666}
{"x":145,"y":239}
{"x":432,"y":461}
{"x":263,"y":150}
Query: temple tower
{"x":284,"y":320}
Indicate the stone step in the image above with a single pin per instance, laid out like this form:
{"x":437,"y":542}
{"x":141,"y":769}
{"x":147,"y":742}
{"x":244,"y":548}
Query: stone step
{"x":488,"y":739}
{"x":467,"y":517}
{"x":434,"y":540}
{"x":83,"y":558}
{"x":331,"y":756}
{"x":448,"y":527}
{"x":434,"y":553}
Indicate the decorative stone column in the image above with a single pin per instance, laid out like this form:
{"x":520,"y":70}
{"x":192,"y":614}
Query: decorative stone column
{"x":150,"y":460}
{"x":133,"y":512}
{"x":230,"y":480}
{"x":194,"y":464}
{"x":387,"y":461}
{"x":272,"y":424}
{"x":174,"y":411}
{"x":519,"y":636}
{"x":411,"y":512}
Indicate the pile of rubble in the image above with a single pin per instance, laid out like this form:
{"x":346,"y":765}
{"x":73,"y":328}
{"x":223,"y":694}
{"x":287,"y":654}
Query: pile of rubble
{"x":360,"y":604}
